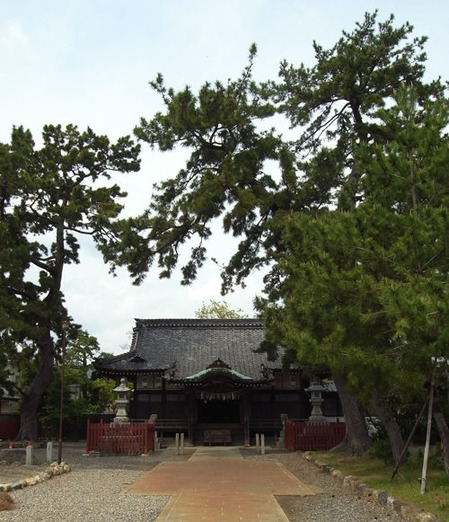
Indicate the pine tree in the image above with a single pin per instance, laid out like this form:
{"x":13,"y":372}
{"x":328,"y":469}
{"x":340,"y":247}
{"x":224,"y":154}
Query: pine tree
{"x":243,"y":172}
{"x":364,"y":292}
{"x":48,"y":198}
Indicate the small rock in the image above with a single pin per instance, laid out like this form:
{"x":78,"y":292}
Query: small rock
{"x":347,"y":481}
{"x":425,"y":517}
{"x":354,"y":483}
{"x":337,"y":474}
{"x":382,"y":497}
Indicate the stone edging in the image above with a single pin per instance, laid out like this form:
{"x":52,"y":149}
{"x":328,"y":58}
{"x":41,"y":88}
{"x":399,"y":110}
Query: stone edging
{"x":382,"y":497}
{"x":53,"y":470}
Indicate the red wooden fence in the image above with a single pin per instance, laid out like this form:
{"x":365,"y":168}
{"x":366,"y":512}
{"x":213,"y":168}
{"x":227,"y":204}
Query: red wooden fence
{"x":9,"y":428}
{"x":132,"y":438}
{"x":310,"y":436}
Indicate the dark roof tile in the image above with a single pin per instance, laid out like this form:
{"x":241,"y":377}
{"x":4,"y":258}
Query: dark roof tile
{"x":192,"y":345}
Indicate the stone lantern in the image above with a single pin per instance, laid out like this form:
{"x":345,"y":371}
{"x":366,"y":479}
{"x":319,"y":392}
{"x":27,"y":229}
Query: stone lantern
{"x":315,"y":391}
{"x":121,"y":402}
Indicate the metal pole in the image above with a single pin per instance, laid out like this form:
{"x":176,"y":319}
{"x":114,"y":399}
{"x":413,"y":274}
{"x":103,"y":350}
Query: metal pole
{"x":421,"y":413}
{"x":426,"y":449}
{"x":61,"y":409}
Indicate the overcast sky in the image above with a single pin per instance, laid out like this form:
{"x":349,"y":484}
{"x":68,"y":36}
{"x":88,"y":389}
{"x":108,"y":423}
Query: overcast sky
{"x":88,"y":62}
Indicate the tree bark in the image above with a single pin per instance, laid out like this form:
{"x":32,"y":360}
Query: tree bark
{"x":33,"y":395}
{"x":356,"y":441}
{"x":443,"y":430}
{"x":386,"y":417}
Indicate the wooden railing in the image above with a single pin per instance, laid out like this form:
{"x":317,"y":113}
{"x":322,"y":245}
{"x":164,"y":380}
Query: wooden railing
{"x":171,"y":425}
{"x":265,"y":425}
{"x":132,"y":438}
{"x":313,"y":436}
{"x":9,"y":426}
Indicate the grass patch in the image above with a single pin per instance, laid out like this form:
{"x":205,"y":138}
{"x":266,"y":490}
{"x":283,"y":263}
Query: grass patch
{"x":405,"y":486}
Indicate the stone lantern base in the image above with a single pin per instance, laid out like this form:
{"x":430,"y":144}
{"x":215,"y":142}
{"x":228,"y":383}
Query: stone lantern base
{"x":121,"y":402}
{"x":121,"y":420}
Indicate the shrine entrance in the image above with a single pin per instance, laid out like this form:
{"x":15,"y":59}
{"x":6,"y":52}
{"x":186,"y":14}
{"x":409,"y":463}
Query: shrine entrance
{"x":219,"y":415}
{"x":216,"y":411}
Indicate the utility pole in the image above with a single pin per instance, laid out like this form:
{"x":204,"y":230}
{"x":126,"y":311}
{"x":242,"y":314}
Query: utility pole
{"x":61,"y":409}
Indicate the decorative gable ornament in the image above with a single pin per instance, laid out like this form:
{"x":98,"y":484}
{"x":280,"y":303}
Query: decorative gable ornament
{"x":218,"y":363}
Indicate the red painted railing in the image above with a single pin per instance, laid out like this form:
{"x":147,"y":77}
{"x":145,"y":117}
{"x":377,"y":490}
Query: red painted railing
{"x":132,"y":438}
{"x":9,"y":428}
{"x":311,"y":436}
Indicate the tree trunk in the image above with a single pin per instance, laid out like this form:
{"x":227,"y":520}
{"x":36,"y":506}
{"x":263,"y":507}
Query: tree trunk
{"x":356,"y":441}
{"x":443,"y":430}
{"x":53,"y":306}
{"x":33,"y":395}
{"x":386,"y":417}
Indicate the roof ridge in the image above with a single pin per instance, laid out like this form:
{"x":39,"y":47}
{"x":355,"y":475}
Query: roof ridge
{"x":251,"y":322}
{"x":117,"y":357}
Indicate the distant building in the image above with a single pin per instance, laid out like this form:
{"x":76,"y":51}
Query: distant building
{"x":9,"y":402}
{"x":201,"y":375}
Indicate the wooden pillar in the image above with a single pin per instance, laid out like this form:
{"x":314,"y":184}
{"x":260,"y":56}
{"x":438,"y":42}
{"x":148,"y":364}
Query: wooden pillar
{"x":133,"y":402}
{"x":163,"y":399}
{"x":272,"y":403}
{"x":246,"y":405}
{"x":191,"y":416}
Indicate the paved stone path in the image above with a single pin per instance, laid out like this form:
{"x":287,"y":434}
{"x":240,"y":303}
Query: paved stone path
{"x":216,"y":483}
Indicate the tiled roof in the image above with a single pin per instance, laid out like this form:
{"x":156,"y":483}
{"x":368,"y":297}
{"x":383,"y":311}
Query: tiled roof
{"x":189,"y":346}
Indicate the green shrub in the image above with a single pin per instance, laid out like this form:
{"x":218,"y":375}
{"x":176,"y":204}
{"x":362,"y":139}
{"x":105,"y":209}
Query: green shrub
{"x":381,"y":449}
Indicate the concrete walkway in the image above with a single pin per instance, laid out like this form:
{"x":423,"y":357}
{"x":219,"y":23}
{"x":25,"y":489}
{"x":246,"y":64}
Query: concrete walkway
{"x":216,"y":483}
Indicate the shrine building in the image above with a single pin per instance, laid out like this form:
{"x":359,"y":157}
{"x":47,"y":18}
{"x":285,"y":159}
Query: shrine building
{"x":204,"y":377}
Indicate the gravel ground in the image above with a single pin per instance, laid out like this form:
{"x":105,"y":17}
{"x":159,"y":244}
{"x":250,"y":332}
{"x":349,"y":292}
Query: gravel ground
{"x":94,"y":491}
